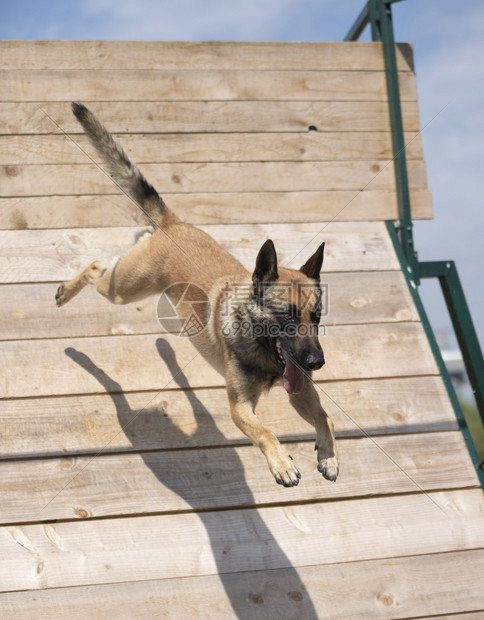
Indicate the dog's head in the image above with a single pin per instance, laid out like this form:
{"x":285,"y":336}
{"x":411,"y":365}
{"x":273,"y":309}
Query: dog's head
{"x":290,"y":301}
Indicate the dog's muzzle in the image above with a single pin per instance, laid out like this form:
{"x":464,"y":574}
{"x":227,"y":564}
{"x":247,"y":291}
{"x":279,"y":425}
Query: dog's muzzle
{"x":313,"y":360}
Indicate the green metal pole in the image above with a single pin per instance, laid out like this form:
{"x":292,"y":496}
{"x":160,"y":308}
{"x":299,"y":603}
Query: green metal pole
{"x":360,"y":24}
{"x":380,"y":13}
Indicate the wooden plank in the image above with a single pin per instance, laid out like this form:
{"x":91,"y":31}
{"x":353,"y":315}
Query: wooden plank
{"x":391,"y":589}
{"x":209,"y":543}
{"x":208,"y":116}
{"x":64,"y":366}
{"x":42,"y":180}
{"x":175,"y":480}
{"x":70,"y":425}
{"x":168,"y":55}
{"x":27,"y":310}
{"x":56,"y":255}
{"x":17,"y":150}
{"x":200,"y":85}
{"x":244,"y":207}
{"x":476,"y":615}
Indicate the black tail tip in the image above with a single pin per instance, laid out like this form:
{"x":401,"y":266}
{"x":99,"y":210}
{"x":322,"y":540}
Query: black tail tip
{"x":79,"y":110}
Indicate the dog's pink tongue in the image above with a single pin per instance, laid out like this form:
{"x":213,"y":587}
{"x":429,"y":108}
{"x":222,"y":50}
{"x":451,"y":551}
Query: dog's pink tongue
{"x":293,"y":376}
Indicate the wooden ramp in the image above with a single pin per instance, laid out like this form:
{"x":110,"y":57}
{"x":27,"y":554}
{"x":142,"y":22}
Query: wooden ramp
{"x":125,"y":489}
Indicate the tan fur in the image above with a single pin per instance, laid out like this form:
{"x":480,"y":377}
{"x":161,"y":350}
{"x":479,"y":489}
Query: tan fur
{"x":179,"y":252}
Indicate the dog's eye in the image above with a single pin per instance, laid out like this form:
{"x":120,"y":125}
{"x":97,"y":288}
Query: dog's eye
{"x":289,"y":314}
{"x":316,"y":316}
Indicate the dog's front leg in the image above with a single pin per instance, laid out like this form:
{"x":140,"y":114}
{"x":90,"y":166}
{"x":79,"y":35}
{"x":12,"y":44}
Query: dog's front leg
{"x":242,"y":401}
{"x":307,"y":403}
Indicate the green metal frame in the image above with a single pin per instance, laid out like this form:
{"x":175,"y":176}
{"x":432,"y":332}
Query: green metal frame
{"x":378,"y":14}
{"x":392,"y":229}
{"x":446,"y":272}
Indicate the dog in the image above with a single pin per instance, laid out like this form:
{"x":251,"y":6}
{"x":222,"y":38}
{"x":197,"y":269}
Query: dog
{"x":258,"y":329}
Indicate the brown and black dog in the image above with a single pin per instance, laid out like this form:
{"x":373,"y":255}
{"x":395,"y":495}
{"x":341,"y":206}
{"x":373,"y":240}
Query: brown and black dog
{"x":258,"y":328}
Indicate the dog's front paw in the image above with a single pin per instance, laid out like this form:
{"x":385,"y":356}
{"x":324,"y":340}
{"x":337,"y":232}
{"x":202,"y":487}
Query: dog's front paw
{"x":61,"y":297}
{"x":329,"y":468}
{"x":284,"y":471}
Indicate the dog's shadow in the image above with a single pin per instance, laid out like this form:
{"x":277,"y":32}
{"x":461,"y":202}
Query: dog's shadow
{"x":247,"y":592}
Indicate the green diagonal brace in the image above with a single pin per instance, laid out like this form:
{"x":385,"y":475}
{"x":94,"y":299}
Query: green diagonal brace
{"x":446,"y":272}
{"x":433,"y":270}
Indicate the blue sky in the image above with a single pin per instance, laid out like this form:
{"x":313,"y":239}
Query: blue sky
{"x":449,"y":50}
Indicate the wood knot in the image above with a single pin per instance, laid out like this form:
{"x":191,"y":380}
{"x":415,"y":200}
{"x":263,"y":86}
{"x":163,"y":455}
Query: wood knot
{"x":176,"y":179}
{"x":67,"y":463}
{"x":81,"y":512}
{"x":19,"y":221}
{"x":295,"y":595}
{"x":375,"y":168}
{"x":12,"y":171}
{"x":386,"y":599}
{"x":403,"y":315}
{"x":361,"y":302}
{"x":256,"y":598}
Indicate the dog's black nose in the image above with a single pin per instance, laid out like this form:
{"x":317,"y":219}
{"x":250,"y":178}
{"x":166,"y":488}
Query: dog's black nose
{"x":314,"y":360}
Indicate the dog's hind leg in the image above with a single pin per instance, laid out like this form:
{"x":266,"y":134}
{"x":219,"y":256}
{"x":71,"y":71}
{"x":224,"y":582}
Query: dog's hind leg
{"x":118,"y":285}
{"x":68,"y":290}
{"x":134,"y":277}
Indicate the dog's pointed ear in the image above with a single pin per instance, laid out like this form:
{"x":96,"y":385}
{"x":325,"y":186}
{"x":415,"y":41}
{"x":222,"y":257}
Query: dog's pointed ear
{"x":266,"y":264}
{"x":312,"y":267}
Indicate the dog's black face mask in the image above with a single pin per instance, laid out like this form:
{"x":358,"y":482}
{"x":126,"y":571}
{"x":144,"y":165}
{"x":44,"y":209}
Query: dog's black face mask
{"x":291,"y":306}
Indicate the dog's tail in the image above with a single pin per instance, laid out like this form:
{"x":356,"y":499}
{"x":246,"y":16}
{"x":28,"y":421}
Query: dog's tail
{"x":123,"y":172}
